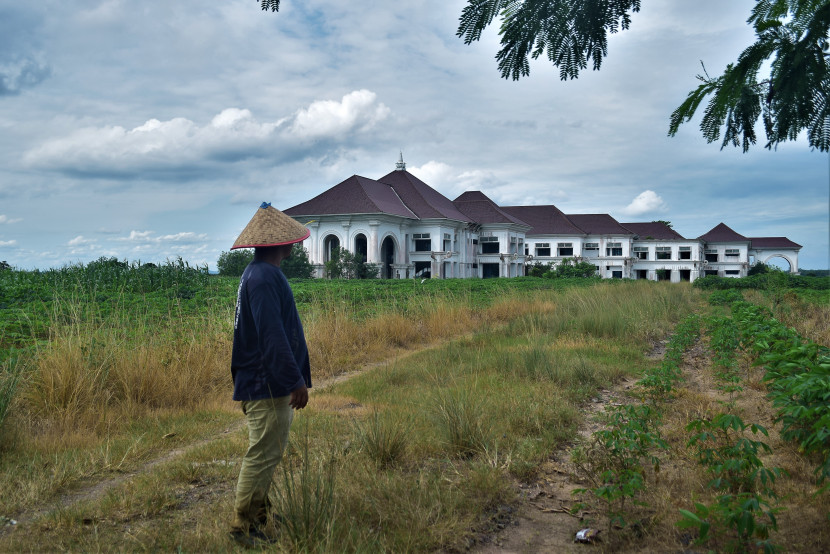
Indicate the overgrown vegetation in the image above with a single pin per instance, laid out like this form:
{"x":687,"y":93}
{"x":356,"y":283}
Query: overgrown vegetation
{"x":346,"y":265}
{"x":413,"y":454}
{"x":402,"y":453}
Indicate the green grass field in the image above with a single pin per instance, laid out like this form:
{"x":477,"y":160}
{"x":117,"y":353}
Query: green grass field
{"x":122,"y":390}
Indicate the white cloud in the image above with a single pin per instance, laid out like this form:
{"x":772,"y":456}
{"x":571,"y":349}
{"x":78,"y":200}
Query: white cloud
{"x":79,"y":241}
{"x":646,"y":202}
{"x":6,"y":219}
{"x":328,"y":118}
{"x":138,"y":235}
{"x":179,"y":144}
{"x":8,"y":242}
{"x":183,"y":237}
{"x":451,"y":182}
{"x":436,"y":174}
{"x":146,"y":237}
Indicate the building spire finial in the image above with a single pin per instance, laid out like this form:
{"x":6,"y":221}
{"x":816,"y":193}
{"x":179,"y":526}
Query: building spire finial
{"x":400,"y":165}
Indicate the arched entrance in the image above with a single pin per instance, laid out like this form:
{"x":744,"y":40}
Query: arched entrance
{"x":361,"y":249}
{"x":329,"y":244}
{"x":387,"y":257}
{"x":780,"y":262}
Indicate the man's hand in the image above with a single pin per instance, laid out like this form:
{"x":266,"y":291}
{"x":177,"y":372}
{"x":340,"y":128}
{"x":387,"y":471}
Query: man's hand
{"x":299,"y":398}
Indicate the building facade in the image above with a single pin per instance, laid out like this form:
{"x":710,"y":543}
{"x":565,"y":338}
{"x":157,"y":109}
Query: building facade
{"x":408,"y":229}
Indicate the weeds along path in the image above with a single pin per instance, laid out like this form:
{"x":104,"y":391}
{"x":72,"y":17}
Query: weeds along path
{"x":543,"y":520}
{"x":95,"y":489}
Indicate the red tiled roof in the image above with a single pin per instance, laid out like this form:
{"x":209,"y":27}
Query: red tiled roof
{"x":722,"y":233}
{"x":653,"y":230}
{"x":355,"y":195}
{"x":598,"y":224}
{"x":424,"y":201}
{"x":544,"y":220}
{"x":772,"y":242}
{"x":478,"y":207}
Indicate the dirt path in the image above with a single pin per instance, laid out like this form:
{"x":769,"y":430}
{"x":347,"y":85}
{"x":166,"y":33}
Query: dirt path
{"x":93,"y":489}
{"x":542,"y":521}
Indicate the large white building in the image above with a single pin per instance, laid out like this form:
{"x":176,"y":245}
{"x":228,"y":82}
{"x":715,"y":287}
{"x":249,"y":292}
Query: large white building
{"x":409,"y":229}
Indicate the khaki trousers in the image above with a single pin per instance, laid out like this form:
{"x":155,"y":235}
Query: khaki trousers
{"x":268,"y":422}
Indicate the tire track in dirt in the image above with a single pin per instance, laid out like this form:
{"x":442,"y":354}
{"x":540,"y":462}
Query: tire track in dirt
{"x":542,"y":520}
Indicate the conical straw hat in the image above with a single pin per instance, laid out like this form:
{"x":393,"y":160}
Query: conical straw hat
{"x":270,"y":227}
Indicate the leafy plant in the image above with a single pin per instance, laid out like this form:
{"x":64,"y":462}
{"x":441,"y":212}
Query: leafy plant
{"x":616,"y":458}
{"x":798,"y":377}
{"x":297,"y":266}
{"x":733,"y":461}
{"x":234,"y":262}
{"x":571,"y":268}
{"x":345,"y":265}
{"x":657,"y":383}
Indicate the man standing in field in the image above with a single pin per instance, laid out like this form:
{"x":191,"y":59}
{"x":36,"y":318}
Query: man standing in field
{"x":269,"y":364}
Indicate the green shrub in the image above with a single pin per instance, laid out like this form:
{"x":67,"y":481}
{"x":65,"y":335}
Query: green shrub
{"x":297,"y":266}
{"x":234,"y":262}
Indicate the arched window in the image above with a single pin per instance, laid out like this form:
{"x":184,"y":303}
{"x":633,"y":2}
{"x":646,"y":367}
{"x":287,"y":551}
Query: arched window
{"x":329,"y":244}
{"x":361,"y":248}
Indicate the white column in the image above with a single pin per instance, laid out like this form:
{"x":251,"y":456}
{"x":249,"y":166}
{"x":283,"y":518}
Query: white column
{"x":374,"y":247}
{"x":315,"y":247}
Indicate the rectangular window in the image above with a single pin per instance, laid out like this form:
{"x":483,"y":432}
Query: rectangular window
{"x":685,"y":252}
{"x":641,"y":252}
{"x":732,"y":272}
{"x":711,"y":255}
{"x":663,"y":252}
{"x":616,"y":274}
{"x":565,"y":249}
{"x":613,"y":249}
{"x":489,"y":245}
{"x":543,"y":249}
{"x":591,"y":246}
{"x":420,"y":235}
{"x":732,"y":252}
{"x":423,"y":270}
{"x":446,"y":236}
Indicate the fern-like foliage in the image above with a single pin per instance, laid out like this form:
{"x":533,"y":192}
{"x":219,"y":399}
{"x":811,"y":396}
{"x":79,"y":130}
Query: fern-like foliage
{"x":570,"y":33}
{"x":273,"y":5}
{"x":793,"y":36}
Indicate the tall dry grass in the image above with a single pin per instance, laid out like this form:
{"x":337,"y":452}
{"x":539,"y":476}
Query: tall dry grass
{"x":339,"y":341}
{"x":810,"y":319}
{"x":640,"y":311}
{"x":100,"y":375}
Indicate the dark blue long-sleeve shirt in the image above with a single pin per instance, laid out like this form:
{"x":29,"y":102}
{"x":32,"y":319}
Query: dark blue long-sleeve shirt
{"x":270,"y":356}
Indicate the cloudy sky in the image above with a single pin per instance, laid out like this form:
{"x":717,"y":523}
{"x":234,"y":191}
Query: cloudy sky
{"x":150,"y":130}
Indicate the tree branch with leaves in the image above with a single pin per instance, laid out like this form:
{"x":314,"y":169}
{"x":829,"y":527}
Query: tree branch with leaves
{"x":571,"y":34}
